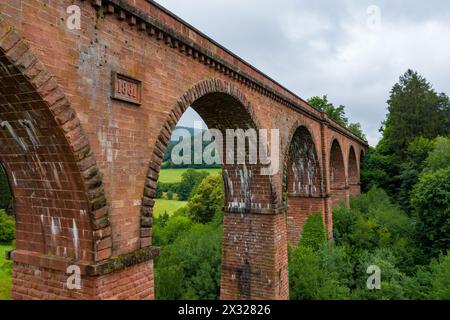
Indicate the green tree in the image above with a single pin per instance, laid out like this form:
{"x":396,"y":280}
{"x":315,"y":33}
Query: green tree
{"x":167,"y":230}
{"x":439,"y":156}
{"x":415,"y":161}
{"x":208,"y":200}
{"x":376,"y":171}
{"x":440,"y":279}
{"x":337,"y":114}
{"x":189,"y":267}
{"x":374,"y":222}
{"x":391,"y":277}
{"x":308,"y":280}
{"x":415,"y":109}
{"x":7,"y":228}
{"x":159,"y":191}
{"x":431,"y":200}
{"x":356,"y":129}
{"x":189,"y":181}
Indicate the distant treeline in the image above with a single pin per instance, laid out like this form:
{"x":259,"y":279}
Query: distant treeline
{"x":167,"y":160}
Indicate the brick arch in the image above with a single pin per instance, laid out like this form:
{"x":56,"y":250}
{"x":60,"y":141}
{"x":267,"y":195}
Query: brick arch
{"x":362,"y":154}
{"x":204,"y":97}
{"x":290,"y":136}
{"x":303,"y":180}
{"x":338,"y":180}
{"x":59,"y":202}
{"x":303,"y":146}
{"x":353,"y":172}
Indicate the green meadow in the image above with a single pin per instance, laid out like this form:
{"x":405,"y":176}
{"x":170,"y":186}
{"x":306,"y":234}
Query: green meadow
{"x":174,"y":175}
{"x":169,"y":206}
{"x":5,"y":273}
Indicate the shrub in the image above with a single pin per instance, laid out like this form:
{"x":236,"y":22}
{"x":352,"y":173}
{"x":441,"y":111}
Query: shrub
{"x":439,"y":157}
{"x":431,"y":200}
{"x":172,"y":228}
{"x":308,"y":280}
{"x":190,"y":180}
{"x":189,"y":268}
{"x":313,"y":235}
{"x":391,"y":277}
{"x":7,"y":228}
{"x":440,"y":279}
{"x":208,"y":200}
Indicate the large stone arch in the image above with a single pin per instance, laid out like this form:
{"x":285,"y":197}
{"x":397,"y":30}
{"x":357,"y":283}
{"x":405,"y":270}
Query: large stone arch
{"x":59,"y":201}
{"x":303,"y":179}
{"x":338,"y":179}
{"x":252,"y":219}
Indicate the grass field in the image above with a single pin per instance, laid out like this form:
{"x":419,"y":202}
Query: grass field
{"x":169,"y":206}
{"x":174,"y":175}
{"x":5,"y":274}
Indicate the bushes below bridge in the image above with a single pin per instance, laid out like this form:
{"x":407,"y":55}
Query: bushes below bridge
{"x":373,"y":232}
{"x":191,"y":241}
{"x":183,"y":190}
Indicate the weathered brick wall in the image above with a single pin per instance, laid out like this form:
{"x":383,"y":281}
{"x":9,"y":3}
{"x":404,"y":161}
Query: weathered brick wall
{"x":36,"y":283}
{"x":254,"y":257}
{"x":106,"y":153}
{"x":299,"y":209}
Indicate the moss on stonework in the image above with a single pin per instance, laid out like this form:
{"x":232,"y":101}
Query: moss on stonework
{"x":119,"y":262}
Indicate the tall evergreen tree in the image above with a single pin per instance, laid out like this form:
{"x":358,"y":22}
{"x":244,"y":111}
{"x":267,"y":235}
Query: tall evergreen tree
{"x":415,"y":109}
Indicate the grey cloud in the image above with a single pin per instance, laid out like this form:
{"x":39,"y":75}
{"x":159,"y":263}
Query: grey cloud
{"x":326,"y":47}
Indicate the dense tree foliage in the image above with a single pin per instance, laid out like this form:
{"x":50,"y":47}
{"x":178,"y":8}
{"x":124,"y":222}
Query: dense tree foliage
{"x":415,"y":109}
{"x":337,"y":114}
{"x":208,"y":200}
{"x":191,"y":241}
{"x":374,"y":232}
{"x":7,"y":228}
{"x":190,"y":180}
{"x":190,"y":260}
{"x":417,"y":116}
{"x":431,"y":201}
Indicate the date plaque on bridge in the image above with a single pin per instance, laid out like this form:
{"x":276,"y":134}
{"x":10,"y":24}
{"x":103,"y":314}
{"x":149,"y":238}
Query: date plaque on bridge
{"x":127,"y":89}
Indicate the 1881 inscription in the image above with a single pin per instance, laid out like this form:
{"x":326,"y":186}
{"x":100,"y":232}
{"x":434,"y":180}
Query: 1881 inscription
{"x":126,"y":89}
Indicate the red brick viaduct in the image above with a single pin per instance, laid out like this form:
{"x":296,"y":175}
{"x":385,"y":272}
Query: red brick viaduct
{"x":83,"y":161}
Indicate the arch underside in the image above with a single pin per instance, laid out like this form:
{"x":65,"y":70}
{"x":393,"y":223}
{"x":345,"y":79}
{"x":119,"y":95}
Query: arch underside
{"x":353,"y":173}
{"x":303,"y":180}
{"x":353,"y":176}
{"x":338,"y":180}
{"x":244,"y":184}
{"x":52,"y":173}
{"x":303,"y":166}
{"x":51,"y":208}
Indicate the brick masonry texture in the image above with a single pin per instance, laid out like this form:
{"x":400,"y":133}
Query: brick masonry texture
{"x":83,"y":166}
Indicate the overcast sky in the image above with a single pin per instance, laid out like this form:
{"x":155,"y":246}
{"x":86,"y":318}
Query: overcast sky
{"x":336,"y":47}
